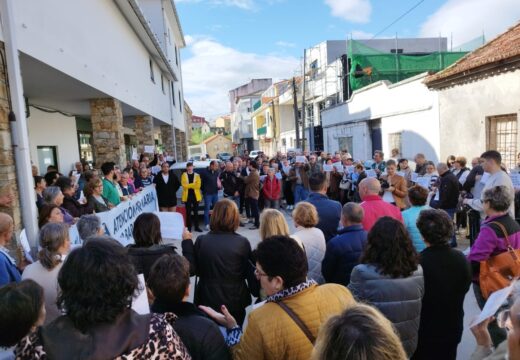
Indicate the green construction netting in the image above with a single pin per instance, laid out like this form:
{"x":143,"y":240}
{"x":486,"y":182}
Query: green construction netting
{"x":369,"y":65}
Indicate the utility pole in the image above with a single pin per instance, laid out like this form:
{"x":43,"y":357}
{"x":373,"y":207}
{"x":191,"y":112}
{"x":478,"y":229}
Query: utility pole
{"x":303,"y":99}
{"x":295,"y":110}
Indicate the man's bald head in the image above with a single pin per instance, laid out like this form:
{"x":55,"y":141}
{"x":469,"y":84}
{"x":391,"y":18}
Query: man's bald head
{"x":442,"y":168}
{"x":369,"y":186}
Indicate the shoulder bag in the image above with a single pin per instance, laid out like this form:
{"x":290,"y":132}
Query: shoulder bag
{"x":498,"y":271}
{"x":298,"y":321}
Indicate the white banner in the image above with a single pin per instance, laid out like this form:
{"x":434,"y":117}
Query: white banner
{"x":119,"y":222}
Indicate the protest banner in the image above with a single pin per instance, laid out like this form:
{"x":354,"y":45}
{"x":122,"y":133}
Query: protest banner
{"x":327,"y":168}
{"x":371,"y":173}
{"x":118,"y":223}
{"x":515,"y":179}
{"x":339,"y":167}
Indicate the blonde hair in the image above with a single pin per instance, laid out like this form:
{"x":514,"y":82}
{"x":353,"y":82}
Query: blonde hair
{"x":305,"y":214}
{"x":360,"y":332}
{"x":272,"y":223}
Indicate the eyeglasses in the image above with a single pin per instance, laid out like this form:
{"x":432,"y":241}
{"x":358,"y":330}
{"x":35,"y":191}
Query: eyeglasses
{"x":259,"y":273}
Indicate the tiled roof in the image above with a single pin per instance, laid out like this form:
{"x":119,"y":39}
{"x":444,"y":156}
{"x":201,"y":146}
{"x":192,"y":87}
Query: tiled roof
{"x":503,"y":47}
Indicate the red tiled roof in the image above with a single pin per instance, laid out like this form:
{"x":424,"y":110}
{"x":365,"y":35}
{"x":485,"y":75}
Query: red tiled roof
{"x":503,"y":47}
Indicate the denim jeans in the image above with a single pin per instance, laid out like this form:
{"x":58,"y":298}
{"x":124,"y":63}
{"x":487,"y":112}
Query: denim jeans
{"x":300,"y":193}
{"x":235,"y":199}
{"x":271,"y":204}
{"x":451,"y":214}
{"x":209,"y":201}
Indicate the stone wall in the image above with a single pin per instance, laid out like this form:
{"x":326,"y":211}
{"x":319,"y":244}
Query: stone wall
{"x":181,"y":146}
{"x":167,"y":138}
{"x":107,"y":127}
{"x":144,"y":132}
{"x":7,"y":162}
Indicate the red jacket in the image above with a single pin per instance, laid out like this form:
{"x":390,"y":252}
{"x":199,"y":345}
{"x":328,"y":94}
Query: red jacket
{"x":376,"y":208}
{"x":271,"y":189}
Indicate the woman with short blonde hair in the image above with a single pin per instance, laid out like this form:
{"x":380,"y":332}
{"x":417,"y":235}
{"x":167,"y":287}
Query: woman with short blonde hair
{"x":360,"y":332}
{"x":272,"y":223}
{"x":311,"y":238}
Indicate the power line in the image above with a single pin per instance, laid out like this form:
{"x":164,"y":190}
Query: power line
{"x":399,"y":18}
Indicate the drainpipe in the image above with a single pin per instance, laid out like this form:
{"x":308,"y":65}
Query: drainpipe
{"x":18,"y":124}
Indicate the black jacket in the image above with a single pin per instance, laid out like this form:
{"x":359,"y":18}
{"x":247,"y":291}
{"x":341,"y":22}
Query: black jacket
{"x":471,"y":178}
{"x":201,"y":335}
{"x":143,"y":258}
{"x":209,"y":181}
{"x":167,"y":192}
{"x":76,"y":209}
{"x":224,"y":262}
{"x":447,"y":276}
{"x":449,"y":191}
{"x":230,"y":183}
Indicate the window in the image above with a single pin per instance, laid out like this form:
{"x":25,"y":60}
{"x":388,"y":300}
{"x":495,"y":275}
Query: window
{"x":180,"y":101}
{"x":345,"y":143}
{"x":284,"y":142}
{"x":162,"y":84}
{"x":173,"y":93}
{"x":502,"y":136}
{"x":395,"y":141}
{"x":152,"y":77}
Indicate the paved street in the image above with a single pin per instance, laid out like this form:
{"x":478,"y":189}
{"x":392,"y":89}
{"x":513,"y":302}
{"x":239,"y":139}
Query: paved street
{"x":471,"y":309}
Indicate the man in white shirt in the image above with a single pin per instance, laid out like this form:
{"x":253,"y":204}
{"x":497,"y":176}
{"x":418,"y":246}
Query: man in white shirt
{"x":497,"y":177}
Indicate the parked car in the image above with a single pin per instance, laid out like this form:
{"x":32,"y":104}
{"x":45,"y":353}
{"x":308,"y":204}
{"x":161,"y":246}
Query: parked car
{"x":198,"y":166}
{"x":254,"y":153}
{"x":224,"y":156}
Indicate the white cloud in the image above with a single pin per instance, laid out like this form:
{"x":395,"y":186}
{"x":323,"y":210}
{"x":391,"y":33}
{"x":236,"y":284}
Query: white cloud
{"x":466,"y":19}
{"x":212,"y":69}
{"x":357,"y":11}
{"x":285,"y":44}
{"x":359,"y":35}
{"x":242,"y":4}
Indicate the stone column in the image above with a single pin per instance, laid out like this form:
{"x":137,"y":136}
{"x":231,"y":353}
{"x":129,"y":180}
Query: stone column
{"x":178,"y":143}
{"x":144,"y":132}
{"x":184,"y":146}
{"x":167,"y":138}
{"x":7,"y":163}
{"x":107,"y":127}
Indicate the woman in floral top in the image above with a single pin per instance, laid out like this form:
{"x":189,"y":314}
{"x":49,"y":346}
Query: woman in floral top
{"x":97,"y":284}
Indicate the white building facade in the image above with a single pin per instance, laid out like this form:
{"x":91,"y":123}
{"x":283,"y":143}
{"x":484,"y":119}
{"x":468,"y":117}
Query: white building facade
{"x":384,"y":116}
{"x":107,"y":62}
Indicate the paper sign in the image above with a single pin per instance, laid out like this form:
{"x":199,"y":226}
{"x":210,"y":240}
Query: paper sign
{"x":371,"y":173}
{"x":415,"y":176}
{"x":327,"y":168}
{"x":493,"y":303}
{"x":401,"y":173}
{"x":172,"y":224}
{"x":149,"y":149}
{"x":485,"y":178}
{"x":301,"y":159}
{"x":424,"y":181}
{"x":437,"y":196}
{"x":286,"y":169}
{"x":140,"y":304}
{"x":278,"y":175}
{"x":339,"y":167}
{"x":515,"y":178}
{"x":262,"y":178}
{"x":349,"y":169}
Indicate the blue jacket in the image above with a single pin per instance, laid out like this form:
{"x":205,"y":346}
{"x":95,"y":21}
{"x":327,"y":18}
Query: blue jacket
{"x":329,"y":212}
{"x":410,"y":217}
{"x":343,"y":253}
{"x":8,"y":270}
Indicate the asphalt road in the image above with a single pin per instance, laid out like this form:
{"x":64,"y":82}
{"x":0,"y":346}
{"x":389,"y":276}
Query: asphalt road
{"x":471,"y":309}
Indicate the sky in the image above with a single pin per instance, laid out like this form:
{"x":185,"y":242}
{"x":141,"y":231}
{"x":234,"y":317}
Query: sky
{"x":230,"y":42}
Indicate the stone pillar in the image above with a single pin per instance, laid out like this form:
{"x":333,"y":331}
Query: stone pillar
{"x":180,"y":144}
{"x":107,"y":127}
{"x":7,"y":163}
{"x":167,"y":138}
{"x":144,"y":132}
{"x":184,"y":146}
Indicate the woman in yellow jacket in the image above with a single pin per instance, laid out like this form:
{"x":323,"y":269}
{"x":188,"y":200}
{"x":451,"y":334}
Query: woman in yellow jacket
{"x":191,"y":196}
{"x":272,"y":332}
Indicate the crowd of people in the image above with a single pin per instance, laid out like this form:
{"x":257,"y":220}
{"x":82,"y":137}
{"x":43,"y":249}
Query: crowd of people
{"x":371,"y":271}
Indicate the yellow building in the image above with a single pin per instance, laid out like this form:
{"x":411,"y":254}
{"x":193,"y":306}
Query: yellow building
{"x":216,"y":144}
